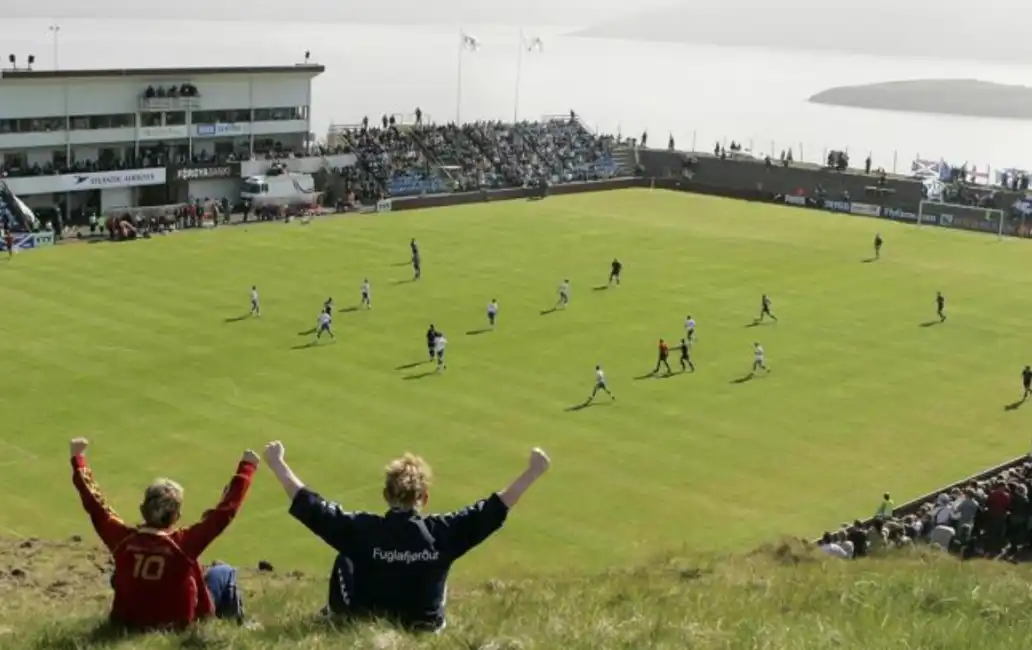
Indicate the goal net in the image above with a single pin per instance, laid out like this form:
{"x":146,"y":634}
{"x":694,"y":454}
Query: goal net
{"x":966,"y":217}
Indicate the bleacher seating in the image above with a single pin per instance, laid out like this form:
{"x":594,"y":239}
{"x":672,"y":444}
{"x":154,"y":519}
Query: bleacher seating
{"x":406,"y":160}
{"x":571,"y":151}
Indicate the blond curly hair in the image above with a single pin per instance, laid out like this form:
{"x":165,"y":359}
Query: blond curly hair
{"x":406,"y":484}
{"x":162,"y":503}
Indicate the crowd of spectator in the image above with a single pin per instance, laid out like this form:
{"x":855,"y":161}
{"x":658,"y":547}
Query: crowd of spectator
{"x":14,"y":168}
{"x":989,"y":518}
{"x":570,"y":150}
{"x":428,"y":158}
{"x":393,"y":160}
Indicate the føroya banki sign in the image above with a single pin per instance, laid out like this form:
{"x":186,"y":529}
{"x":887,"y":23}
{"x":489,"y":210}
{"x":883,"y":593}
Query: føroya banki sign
{"x":203,"y":173}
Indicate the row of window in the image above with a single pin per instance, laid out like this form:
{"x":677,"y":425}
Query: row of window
{"x":108,"y":158}
{"x":166,"y":118}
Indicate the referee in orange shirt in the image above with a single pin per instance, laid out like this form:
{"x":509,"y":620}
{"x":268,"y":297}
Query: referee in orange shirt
{"x":664,"y":353}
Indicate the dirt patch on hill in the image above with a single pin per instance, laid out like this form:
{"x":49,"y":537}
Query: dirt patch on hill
{"x":53,"y":570}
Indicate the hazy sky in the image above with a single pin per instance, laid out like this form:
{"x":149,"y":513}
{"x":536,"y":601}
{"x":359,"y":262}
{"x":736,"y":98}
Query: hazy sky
{"x":989,"y":30}
{"x":580,"y":13}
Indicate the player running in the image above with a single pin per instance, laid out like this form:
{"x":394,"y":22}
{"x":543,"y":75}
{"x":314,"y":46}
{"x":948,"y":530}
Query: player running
{"x":9,"y":243}
{"x":686,"y":356}
{"x":564,"y":295}
{"x":324,"y":326}
{"x":664,"y":353}
{"x":439,"y":344}
{"x":328,"y":305}
{"x":614,"y":272}
{"x":758,"y":360}
{"x":689,"y":329}
{"x":765,"y":311}
{"x":367,"y":294}
{"x":431,"y":336}
{"x":492,"y":312}
{"x":256,"y":308}
{"x":600,"y":385}
{"x":940,"y":306}
{"x":1026,"y":382}
{"x":416,"y":265}
{"x":877,"y":245}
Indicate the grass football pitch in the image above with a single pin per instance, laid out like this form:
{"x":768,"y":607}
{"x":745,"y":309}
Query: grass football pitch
{"x":138,"y":346}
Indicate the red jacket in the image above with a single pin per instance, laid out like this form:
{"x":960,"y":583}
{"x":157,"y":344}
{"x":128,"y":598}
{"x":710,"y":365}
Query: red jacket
{"x":158,"y":580}
{"x":998,"y":503}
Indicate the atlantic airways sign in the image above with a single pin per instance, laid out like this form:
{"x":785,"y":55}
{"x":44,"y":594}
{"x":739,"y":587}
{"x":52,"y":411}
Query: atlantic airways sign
{"x":30,"y":185}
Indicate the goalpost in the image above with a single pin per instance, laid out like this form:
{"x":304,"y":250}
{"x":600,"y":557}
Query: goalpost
{"x":967,"y":217}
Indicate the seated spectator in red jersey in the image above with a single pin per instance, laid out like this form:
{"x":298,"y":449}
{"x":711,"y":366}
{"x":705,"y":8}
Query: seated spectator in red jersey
{"x":158,"y":580}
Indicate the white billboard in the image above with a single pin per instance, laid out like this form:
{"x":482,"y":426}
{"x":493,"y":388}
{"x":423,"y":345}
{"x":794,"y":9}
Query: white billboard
{"x":85,"y":182}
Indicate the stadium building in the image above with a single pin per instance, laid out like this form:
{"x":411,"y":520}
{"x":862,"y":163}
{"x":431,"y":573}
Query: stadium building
{"x":80,"y":142}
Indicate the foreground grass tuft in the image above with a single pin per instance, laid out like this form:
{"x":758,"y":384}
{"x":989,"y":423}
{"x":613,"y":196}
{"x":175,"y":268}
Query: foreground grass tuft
{"x":780,"y":596}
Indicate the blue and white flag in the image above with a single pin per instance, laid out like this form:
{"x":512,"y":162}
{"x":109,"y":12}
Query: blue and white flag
{"x":534,"y":44}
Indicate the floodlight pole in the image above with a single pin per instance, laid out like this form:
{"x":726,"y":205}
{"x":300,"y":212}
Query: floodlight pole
{"x":55,"y":31}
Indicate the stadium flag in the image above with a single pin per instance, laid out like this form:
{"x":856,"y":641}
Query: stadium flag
{"x":467,"y":43}
{"x":534,"y":44}
{"x":470,"y":43}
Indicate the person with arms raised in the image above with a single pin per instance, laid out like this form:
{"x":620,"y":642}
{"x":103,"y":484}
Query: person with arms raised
{"x":158,"y":580}
{"x":395,"y":566}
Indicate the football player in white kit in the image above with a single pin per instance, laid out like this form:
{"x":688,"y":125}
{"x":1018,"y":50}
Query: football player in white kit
{"x":256,"y":308}
{"x":492,"y":312}
{"x":564,"y":295}
{"x":367,"y":295}
{"x":758,"y":359}
{"x":689,"y":329}
{"x":600,"y":384}
{"x":439,"y":344}
{"x":325,"y":325}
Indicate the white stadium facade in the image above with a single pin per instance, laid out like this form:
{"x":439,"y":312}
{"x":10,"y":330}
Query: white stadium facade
{"x":76,"y":142}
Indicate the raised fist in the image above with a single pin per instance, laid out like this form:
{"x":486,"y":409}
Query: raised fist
{"x":78,"y":446}
{"x":539,"y":461}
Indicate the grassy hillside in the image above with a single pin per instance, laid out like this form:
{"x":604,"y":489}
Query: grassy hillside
{"x":782,"y":597}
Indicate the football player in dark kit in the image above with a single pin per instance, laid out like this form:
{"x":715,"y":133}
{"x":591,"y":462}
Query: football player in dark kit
{"x":614,"y":272}
{"x":431,"y":337}
{"x":877,"y":246}
{"x":395,"y":566}
{"x":417,"y":269}
{"x":765,"y":309}
{"x":1026,"y":382}
{"x":940,"y":306}
{"x":686,"y":356}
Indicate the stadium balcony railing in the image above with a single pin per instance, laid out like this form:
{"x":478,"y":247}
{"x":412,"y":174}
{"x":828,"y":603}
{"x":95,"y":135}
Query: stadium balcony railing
{"x":414,"y":184}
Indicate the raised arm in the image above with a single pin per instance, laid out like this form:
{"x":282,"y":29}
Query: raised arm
{"x":274,"y":458}
{"x":194,"y":539}
{"x":110,"y":528}
{"x":459,"y":532}
{"x":536,"y":467}
{"x":326,"y":519}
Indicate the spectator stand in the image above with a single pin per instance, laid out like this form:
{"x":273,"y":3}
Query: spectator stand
{"x":510,"y":153}
{"x":390,"y":157}
{"x":570,"y":150}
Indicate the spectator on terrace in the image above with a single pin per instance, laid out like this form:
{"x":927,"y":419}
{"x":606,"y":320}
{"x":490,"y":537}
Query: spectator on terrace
{"x":831,"y":547}
{"x":158,"y":581}
{"x":857,"y":535}
{"x":885,"y":508}
{"x":395,"y":566}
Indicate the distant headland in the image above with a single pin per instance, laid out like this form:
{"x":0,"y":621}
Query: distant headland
{"x":964,"y":97}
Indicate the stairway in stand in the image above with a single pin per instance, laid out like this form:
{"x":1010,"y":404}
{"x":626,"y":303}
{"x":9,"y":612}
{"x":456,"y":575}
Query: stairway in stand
{"x":626,"y":159}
